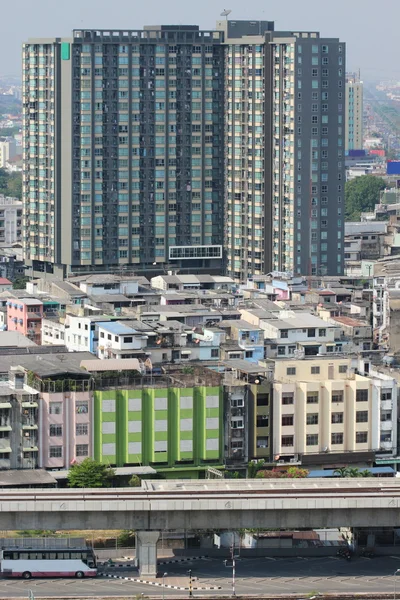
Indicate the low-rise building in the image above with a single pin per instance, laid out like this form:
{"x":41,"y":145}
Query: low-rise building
{"x":10,"y":219}
{"x":326,"y":413}
{"x":25,"y":315}
{"x":119,"y":340}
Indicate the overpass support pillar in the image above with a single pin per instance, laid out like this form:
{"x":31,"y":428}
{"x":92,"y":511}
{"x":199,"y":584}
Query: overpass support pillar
{"x":146,"y":552}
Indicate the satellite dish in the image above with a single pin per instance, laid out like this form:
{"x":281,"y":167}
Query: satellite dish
{"x":226,"y":12}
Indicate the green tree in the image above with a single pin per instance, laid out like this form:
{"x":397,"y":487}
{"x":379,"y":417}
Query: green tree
{"x":90,"y":474}
{"x":365,"y":473}
{"x":253,"y":467}
{"x":11,"y":184}
{"x":20,"y":283}
{"x":135,"y":481}
{"x":352,"y":472}
{"x":14,"y":185}
{"x":362,"y":193}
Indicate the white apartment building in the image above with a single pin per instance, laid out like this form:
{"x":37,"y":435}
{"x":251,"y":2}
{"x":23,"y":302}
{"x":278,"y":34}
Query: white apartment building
{"x":117,"y":340}
{"x":8,"y":149}
{"x":10,"y":220}
{"x":323,"y":406}
{"x":354,"y":112}
{"x":289,"y":333}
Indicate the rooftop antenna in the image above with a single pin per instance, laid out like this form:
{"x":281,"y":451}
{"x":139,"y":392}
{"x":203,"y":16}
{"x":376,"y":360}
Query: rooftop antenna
{"x":226,"y":12}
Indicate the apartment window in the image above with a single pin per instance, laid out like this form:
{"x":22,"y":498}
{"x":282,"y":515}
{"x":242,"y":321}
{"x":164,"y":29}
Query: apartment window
{"x":55,"y":452}
{"x":55,"y":430}
{"x":312,"y":419}
{"x":284,"y":333}
{"x":337,"y":438}
{"x":361,"y":437}
{"x":336,"y":417}
{"x":55,"y":408}
{"x":287,"y":399}
{"x":312,"y":439}
{"x":337,"y":396}
{"x":386,"y":437}
{"x":287,"y":420}
{"x":281,"y":350}
{"x":386,"y":395}
{"x":262,"y":399}
{"x":262,"y":442}
{"x":214,"y":352}
{"x":262,"y":421}
{"x":81,"y":407}
{"x":362,"y":416}
{"x":82,"y":429}
{"x":362,"y":396}
{"x":342,"y":368}
{"x":82,"y":450}
{"x":310,"y":332}
{"x":291,"y":371}
{"x":312,"y":398}
{"x":287,"y":440}
{"x":315,"y":370}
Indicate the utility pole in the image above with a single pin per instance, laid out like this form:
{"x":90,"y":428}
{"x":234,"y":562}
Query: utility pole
{"x":233,"y":571}
{"x":190,"y":584}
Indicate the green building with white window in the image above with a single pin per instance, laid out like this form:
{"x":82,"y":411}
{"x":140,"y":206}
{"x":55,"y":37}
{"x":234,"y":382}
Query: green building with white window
{"x":177,"y":430}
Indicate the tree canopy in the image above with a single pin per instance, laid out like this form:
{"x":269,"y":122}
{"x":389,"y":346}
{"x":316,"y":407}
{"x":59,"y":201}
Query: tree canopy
{"x":352,"y":472}
{"x":362,"y":193}
{"x":90,"y":474}
{"x":11,"y":184}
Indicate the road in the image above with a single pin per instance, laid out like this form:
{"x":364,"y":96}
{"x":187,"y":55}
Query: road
{"x":253,"y":576}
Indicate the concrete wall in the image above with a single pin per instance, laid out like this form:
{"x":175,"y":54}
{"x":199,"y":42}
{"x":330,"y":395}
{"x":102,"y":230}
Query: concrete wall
{"x":58,"y":515}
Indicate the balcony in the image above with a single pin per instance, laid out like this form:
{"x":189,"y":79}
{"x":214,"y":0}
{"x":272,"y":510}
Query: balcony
{"x":386,"y":405}
{"x":29,"y":423}
{"x":4,"y":463}
{"x":387,"y":445}
{"x":386,"y":425}
{"x":5,"y":444}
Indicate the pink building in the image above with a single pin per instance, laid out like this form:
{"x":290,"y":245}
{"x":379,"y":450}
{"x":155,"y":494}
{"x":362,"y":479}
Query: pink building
{"x":66,"y":431}
{"x":25,"y":315}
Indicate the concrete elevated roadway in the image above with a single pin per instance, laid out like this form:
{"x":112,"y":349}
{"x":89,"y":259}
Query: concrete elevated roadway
{"x":205,"y":504}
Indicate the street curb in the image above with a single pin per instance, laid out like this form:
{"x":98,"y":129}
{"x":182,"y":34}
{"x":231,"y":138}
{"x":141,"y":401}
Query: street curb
{"x":157,"y":584}
{"x":162,"y":562}
{"x":180,"y":560}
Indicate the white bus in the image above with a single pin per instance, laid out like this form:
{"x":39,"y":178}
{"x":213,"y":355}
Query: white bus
{"x":63,"y":562}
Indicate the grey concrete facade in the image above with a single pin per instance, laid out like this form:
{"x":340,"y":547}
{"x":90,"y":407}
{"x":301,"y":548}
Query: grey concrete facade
{"x":134,"y":150}
{"x":285,"y":131}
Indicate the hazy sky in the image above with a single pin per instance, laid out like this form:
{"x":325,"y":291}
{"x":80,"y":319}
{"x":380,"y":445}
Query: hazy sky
{"x":369,"y":28}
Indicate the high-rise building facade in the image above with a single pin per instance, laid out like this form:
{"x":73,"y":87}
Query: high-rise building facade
{"x":155,"y":148}
{"x":123,"y":150}
{"x":284,"y":144}
{"x":354,"y":112}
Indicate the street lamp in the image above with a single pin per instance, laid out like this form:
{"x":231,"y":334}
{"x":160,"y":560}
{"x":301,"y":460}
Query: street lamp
{"x":163,"y":588}
{"x":394,"y":583}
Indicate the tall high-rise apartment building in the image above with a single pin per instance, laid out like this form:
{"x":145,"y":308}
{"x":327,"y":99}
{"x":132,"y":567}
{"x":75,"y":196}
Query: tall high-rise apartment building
{"x":354,"y":112}
{"x":284,"y":144}
{"x":123,"y":150}
{"x":155,"y":148}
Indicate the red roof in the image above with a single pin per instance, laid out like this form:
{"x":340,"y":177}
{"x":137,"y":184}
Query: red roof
{"x":4,"y":281}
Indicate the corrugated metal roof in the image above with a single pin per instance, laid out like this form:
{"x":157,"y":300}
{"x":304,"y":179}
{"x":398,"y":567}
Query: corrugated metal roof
{"x":21,"y":477}
{"x":372,"y":470}
{"x":111,"y":364}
